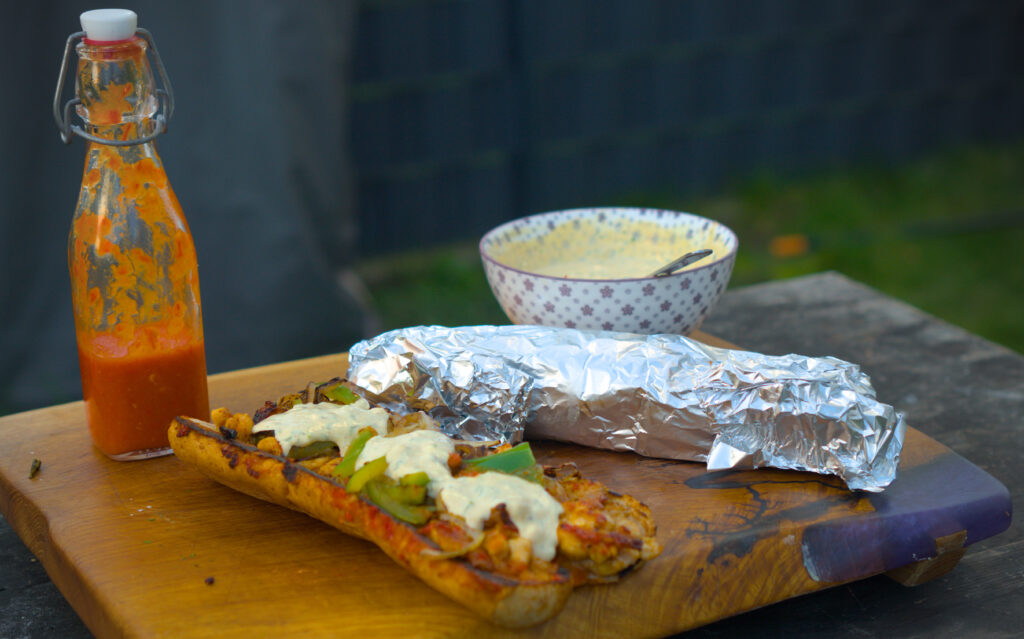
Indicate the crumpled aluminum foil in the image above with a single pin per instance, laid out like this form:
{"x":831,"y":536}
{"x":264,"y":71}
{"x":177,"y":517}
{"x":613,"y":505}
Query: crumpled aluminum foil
{"x":664,"y":396}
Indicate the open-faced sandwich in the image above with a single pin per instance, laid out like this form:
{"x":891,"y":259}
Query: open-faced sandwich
{"x":483,"y":524}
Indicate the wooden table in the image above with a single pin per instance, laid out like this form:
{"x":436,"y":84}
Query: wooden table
{"x":957,"y":388}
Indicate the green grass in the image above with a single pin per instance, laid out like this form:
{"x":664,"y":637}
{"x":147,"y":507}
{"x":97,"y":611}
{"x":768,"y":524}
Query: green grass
{"x":444,"y":286}
{"x":945,"y":233}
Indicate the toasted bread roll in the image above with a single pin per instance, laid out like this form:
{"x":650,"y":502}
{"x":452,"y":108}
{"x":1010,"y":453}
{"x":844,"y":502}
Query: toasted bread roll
{"x":487,"y":567}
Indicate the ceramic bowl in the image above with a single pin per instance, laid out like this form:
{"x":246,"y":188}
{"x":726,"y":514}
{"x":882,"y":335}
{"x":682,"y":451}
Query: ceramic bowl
{"x":589,"y":269}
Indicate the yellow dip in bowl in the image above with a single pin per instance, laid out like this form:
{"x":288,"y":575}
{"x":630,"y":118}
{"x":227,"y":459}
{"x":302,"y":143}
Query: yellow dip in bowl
{"x":589,"y":268}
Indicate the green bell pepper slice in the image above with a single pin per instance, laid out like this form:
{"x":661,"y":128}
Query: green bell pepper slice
{"x":415,"y":479}
{"x":311,"y":450}
{"x":341,"y":393}
{"x":518,"y":461}
{"x":510,"y":461}
{"x":370,"y":470}
{"x":381,"y":493}
{"x":406,"y":493}
{"x":348,"y":462}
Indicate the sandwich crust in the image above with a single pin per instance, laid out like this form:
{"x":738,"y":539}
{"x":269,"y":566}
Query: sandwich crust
{"x":601,"y":534}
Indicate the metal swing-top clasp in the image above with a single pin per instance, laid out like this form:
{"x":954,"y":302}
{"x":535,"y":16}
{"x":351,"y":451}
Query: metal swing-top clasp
{"x":165,"y":95}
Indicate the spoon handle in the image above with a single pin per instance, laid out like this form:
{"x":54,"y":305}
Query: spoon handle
{"x":677,"y":264}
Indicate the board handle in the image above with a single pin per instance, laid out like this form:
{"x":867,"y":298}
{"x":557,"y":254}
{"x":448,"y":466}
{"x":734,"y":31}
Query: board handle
{"x":949,"y":550}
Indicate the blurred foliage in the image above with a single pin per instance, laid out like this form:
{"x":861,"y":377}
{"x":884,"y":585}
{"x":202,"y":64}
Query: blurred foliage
{"x":444,"y":286}
{"x":944,"y":233}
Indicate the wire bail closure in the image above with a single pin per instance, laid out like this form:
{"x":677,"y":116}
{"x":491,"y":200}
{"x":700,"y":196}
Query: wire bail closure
{"x":67,"y":129}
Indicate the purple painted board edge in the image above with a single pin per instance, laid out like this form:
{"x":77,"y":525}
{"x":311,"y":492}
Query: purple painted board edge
{"x":945,"y":495}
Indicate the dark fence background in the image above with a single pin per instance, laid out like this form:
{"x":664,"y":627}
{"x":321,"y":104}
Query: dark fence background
{"x":451,"y":116}
{"x":466,"y":113}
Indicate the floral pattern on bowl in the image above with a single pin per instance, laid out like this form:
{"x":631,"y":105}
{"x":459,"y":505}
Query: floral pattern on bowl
{"x":514,"y":252}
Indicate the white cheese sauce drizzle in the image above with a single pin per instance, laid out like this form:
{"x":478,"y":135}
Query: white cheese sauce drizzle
{"x":304,"y":424}
{"x":419,"y":451}
{"x":533,"y":511}
{"x":530,"y":507}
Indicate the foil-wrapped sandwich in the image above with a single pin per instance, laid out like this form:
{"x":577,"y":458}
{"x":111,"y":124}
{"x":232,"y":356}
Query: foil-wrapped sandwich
{"x":664,"y":396}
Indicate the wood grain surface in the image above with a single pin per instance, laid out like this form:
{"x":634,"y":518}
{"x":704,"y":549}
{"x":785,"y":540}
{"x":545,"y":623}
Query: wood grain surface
{"x":153,"y":548}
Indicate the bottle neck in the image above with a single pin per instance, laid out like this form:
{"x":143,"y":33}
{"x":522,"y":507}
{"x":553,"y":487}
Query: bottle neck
{"x":124,"y":132}
{"x":113,"y":167}
{"x":116,"y":90}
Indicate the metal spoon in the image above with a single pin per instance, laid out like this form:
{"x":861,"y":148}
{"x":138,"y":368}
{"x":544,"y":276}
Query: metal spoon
{"x":679,"y":263}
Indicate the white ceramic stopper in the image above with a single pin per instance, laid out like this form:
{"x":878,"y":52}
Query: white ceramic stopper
{"x":108,"y":25}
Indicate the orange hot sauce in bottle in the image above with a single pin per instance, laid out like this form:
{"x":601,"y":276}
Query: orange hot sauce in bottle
{"x":134,"y":273}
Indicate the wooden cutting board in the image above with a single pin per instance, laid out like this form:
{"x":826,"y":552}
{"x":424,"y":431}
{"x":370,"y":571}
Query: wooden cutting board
{"x":153,"y":548}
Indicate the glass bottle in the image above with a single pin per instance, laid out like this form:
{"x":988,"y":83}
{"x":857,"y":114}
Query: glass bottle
{"x":134,"y":276}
